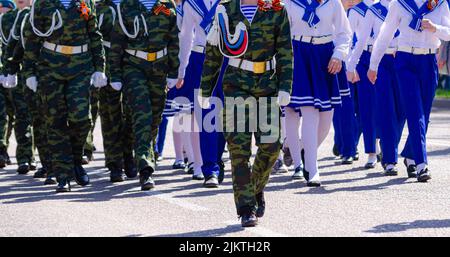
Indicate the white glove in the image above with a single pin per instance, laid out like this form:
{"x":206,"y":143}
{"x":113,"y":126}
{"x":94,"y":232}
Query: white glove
{"x":10,"y":81}
{"x":283,"y":98}
{"x":32,"y":83}
{"x":2,"y":79}
{"x":116,"y":86}
{"x":99,"y":79}
{"x":171,"y":83}
{"x":204,"y":102}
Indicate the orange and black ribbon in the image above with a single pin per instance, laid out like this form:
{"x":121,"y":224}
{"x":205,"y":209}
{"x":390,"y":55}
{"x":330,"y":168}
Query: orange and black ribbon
{"x":162,"y":9}
{"x":84,"y":10}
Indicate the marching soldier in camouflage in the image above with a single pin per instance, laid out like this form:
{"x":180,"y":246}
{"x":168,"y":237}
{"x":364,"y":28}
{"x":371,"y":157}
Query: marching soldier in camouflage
{"x":13,"y":64}
{"x":264,"y":70}
{"x":67,"y":45}
{"x":144,"y":58}
{"x":13,"y":84}
{"x":115,"y":119}
{"x":89,"y":147}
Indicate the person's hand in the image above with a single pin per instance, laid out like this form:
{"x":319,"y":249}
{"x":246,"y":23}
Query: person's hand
{"x":10,"y":81}
{"x":350,"y":76}
{"x":180,"y":83}
{"x":99,"y":79}
{"x":32,"y":83}
{"x":171,"y":83}
{"x":335,"y":66}
{"x":441,"y":63}
{"x":116,"y":86}
{"x":428,"y":25}
{"x":372,"y":75}
{"x":283,"y":98}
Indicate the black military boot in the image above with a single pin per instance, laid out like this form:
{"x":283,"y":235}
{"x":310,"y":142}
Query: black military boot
{"x":63,"y":186}
{"x":80,"y":175}
{"x":146,"y":180}
{"x":49,"y":181}
{"x":87,"y":157}
{"x":221,"y":171}
{"x":33,"y":165}
{"x":23,"y":169}
{"x":129,"y":167}
{"x":248,"y":217}
{"x":41,"y":173}
{"x":3,"y":158}
{"x":261,"y":205}
{"x":116,"y":174}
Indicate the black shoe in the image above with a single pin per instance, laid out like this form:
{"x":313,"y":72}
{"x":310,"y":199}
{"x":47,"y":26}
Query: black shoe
{"x":81,"y":176}
{"x":305,"y":174}
{"x":3,"y":158}
{"x":336,"y":151}
{"x":287,"y":157}
{"x":63,"y":186}
{"x":391,"y":171}
{"x":302,"y":153}
{"x":146,"y":180}
{"x":190,"y":168}
{"x":87,"y":158}
{"x":211,"y":182}
{"x":116,"y":175}
{"x":313,"y":184}
{"x":356,"y":157}
{"x":347,"y":161}
{"x":298,"y":173}
{"x":221,"y":171}
{"x":411,"y":169}
{"x":41,"y":173}
{"x":49,"y":181}
{"x":178,"y":165}
{"x":198,"y":177}
{"x":370,"y":165}
{"x":249,"y":220}
{"x":33,"y":165}
{"x":423,"y":175}
{"x":23,"y":169}
{"x":130,"y":167}
{"x":261,"y":205}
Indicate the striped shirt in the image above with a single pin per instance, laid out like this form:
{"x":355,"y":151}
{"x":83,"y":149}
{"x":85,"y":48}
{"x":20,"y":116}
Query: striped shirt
{"x":148,"y":4}
{"x":249,"y":11}
{"x":66,"y":3}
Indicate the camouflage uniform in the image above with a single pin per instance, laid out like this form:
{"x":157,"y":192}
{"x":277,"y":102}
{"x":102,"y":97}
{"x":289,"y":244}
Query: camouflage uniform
{"x":64,"y":78}
{"x":15,"y":52}
{"x":16,"y":105}
{"x":116,"y":121}
{"x":144,"y":81}
{"x":269,"y":35}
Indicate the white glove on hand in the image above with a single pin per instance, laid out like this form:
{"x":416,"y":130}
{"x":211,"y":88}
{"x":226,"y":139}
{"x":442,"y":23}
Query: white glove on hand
{"x":32,"y":83}
{"x":171,"y":83}
{"x":99,"y":79}
{"x":204,"y":102}
{"x":10,"y":81}
{"x":116,"y":86}
{"x":2,"y":80}
{"x":283,"y":98}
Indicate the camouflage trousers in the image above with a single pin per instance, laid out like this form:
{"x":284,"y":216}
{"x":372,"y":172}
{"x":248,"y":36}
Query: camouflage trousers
{"x":116,"y":127}
{"x":65,"y":99}
{"x":94,"y":101}
{"x":39,"y":128}
{"x":145,"y":93}
{"x":249,"y":180}
{"x":18,"y":119}
{"x":3,"y":119}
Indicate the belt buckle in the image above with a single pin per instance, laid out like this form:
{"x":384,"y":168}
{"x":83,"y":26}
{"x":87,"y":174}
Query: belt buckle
{"x":259,"y":67}
{"x":151,"y":57}
{"x":67,"y":50}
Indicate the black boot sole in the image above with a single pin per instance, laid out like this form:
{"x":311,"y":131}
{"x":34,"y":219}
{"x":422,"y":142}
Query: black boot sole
{"x":423,"y":179}
{"x":49,"y":182}
{"x":116,"y":179}
{"x":65,"y":190}
{"x":147,"y":187}
{"x":391,"y":173}
{"x":412,"y":175}
{"x":313,"y":184}
{"x":249,"y":224}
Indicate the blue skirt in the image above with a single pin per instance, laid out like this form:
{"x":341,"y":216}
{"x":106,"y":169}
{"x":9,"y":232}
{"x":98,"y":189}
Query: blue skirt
{"x":185,"y":95}
{"x":170,"y":109}
{"x":312,"y":84}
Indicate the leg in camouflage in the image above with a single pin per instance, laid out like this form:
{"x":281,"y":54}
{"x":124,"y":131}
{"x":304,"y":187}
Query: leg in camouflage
{"x":68,"y":120}
{"x":145,"y":96}
{"x":89,"y":147}
{"x":3,"y":128}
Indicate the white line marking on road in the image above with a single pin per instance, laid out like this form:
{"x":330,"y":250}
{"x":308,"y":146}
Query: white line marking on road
{"x":258,"y":230}
{"x":180,"y":202}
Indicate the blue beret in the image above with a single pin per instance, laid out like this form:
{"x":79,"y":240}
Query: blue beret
{"x":8,"y":4}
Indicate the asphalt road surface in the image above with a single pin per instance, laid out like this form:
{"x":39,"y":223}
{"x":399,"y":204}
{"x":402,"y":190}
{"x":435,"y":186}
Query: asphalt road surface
{"x":352,"y":201}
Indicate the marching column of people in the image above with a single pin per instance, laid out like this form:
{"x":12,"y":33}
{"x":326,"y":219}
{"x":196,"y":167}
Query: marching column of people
{"x":59,"y":56}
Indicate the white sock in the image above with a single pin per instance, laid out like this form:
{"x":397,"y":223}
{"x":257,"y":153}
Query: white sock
{"x":390,"y":166}
{"x":326,"y":118}
{"x":292,"y":124}
{"x":372,"y":158}
{"x":410,"y":162}
{"x":421,"y":166}
{"x":377,"y":146}
{"x":177,"y":139}
{"x":310,"y":129}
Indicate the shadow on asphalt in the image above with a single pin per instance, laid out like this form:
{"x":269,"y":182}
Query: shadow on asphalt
{"x":404,"y":226}
{"x":208,"y":233}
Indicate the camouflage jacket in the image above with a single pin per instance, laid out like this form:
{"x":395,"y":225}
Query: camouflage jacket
{"x":75,"y":31}
{"x":7,"y":23}
{"x":11,"y":61}
{"x":107,"y":17}
{"x":162,"y":32}
{"x":269,"y":36}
